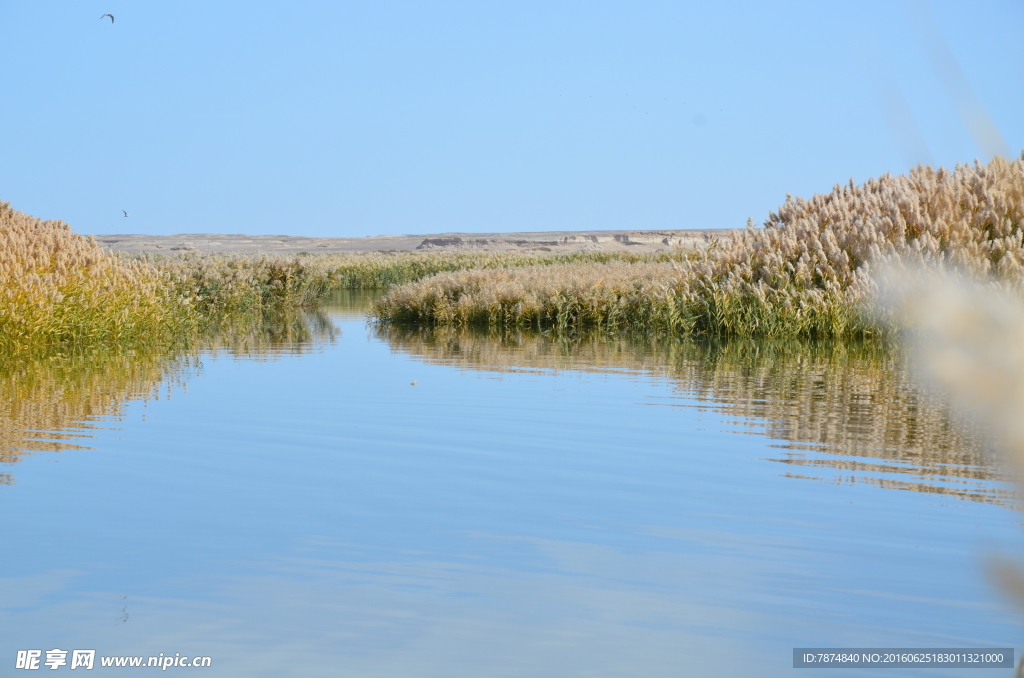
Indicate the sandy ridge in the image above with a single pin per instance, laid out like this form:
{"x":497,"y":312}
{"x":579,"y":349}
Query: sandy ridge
{"x":554,"y":241}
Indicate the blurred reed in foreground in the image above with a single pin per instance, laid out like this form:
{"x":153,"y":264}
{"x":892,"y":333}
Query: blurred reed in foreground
{"x":808,"y":272}
{"x":967,"y":339}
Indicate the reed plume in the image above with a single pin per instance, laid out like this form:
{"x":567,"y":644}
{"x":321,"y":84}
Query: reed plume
{"x":808,"y":272}
{"x":60,"y":288}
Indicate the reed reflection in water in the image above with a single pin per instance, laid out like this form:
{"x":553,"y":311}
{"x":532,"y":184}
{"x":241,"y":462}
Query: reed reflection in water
{"x":848,"y":412}
{"x":316,"y":515}
{"x":51,"y":402}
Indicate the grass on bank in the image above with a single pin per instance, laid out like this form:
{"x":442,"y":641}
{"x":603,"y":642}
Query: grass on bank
{"x":60,"y":289}
{"x":221,"y":283}
{"x":808,"y":272}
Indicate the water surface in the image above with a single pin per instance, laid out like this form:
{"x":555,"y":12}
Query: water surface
{"x":288,"y":503}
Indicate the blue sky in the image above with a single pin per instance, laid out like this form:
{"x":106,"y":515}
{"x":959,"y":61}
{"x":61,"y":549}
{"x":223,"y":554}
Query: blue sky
{"x":353,"y":119}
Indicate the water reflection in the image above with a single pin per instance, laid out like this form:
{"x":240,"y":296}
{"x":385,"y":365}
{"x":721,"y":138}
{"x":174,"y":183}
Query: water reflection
{"x":51,"y":402}
{"x":270,"y":335}
{"x":847,"y":411}
{"x":318,"y":516}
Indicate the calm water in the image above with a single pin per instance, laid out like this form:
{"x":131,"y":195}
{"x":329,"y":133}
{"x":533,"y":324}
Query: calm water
{"x":289,"y":504}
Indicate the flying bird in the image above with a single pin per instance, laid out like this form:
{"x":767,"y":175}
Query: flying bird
{"x":125,"y":213}
{"x":110,"y":15}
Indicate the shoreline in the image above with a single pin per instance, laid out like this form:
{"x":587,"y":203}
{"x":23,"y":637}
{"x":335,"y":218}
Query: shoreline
{"x":543,"y":241}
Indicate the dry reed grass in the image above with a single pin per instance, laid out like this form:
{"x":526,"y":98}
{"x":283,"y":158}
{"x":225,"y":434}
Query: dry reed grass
{"x":808,"y":272}
{"x":220,"y":283}
{"x":59,"y":288}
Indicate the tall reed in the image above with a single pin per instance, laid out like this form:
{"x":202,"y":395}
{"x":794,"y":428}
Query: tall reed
{"x":807,"y":272}
{"x":60,"y":288}
{"x":225,"y":282}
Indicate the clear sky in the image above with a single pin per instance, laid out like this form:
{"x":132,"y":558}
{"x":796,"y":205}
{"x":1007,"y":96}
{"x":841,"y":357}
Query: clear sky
{"x":353,"y":119}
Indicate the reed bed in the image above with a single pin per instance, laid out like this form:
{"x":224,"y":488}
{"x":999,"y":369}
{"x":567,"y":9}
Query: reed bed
{"x":384,"y":270}
{"x":227,"y":283}
{"x":215,"y":285}
{"x":808,"y":272}
{"x":61,"y":291}
{"x":60,"y":288}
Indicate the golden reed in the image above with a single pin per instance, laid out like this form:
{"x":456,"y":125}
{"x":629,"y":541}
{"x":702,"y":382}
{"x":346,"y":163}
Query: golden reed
{"x":809,"y":271}
{"x":60,"y":288}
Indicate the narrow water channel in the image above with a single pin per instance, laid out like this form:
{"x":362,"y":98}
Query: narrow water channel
{"x":341,"y":500}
